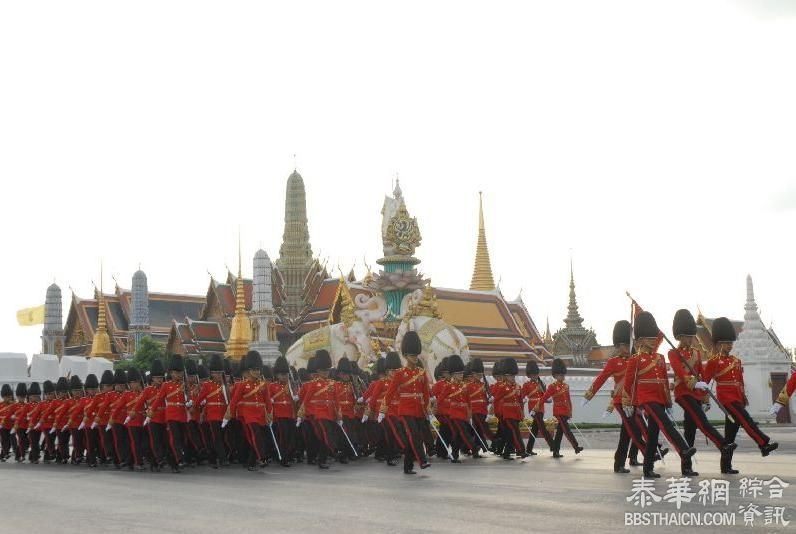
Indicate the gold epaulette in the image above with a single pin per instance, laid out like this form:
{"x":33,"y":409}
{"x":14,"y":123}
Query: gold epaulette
{"x":690,"y":380}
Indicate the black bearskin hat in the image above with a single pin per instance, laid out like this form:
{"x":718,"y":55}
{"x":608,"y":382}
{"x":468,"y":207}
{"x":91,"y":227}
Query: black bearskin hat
{"x":645,"y":326}
{"x":157,"y":368}
{"x":6,"y":391}
{"x":683,"y":324}
{"x":216,"y":364}
{"x":75,"y":383}
{"x":393,"y":361}
{"x":304,"y":374}
{"x":62,"y":386}
{"x":723,"y":331}
{"x":107,"y":378}
{"x":133,"y":375}
{"x":22,"y":391}
{"x":34,"y":389}
{"x":381,"y":366}
{"x":281,"y":367}
{"x":455,"y":364}
{"x":92,"y":382}
{"x":622,"y":333}
{"x":48,"y":387}
{"x":253,"y":360}
{"x":477,"y":365}
{"x":190,"y":367}
{"x":344,"y":366}
{"x":497,"y":368}
{"x":177,"y":363}
{"x":312,"y":365}
{"x":203,"y":372}
{"x":227,"y":367}
{"x":559,"y":367}
{"x":265,"y":370}
{"x":438,"y":371}
{"x":531,"y":368}
{"x":323,"y":360}
{"x":509,"y":367}
{"x":410,"y":344}
{"x":120,"y":377}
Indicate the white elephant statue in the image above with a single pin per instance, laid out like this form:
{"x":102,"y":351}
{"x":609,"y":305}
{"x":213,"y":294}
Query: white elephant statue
{"x":351,"y":338}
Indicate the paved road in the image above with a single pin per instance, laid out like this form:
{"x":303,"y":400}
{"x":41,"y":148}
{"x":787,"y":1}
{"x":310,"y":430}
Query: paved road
{"x":489,"y":495}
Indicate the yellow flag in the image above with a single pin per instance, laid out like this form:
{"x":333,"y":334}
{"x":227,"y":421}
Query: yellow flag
{"x":31,"y":316}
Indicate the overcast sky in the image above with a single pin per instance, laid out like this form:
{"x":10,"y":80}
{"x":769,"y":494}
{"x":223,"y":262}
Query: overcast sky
{"x":655,"y":141}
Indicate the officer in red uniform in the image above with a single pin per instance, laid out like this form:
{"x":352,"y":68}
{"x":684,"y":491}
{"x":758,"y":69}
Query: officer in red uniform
{"x":75,"y":423}
{"x":647,"y":386}
{"x":94,"y":451}
{"x":155,"y":415}
{"x":32,"y":419}
{"x":410,"y":386}
{"x":454,"y":396}
{"x":60,"y":427}
{"x":615,"y":368}
{"x":173,"y":395}
{"x":116,"y":414}
{"x":132,"y":428}
{"x":478,"y":398}
{"x":252,"y":405}
{"x":346,"y":402}
{"x":98,"y":424}
{"x":562,"y":407}
{"x":532,"y":390}
{"x":727,"y":371}
{"x":390,"y":425}
{"x":502,"y":440}
{"x":213,"y":397}
{"x":46,"y":418}
{"x":319,"y":404}
{"x":440,"y":406}
{"x":508,"y":396}
{"x":20,"y":419}
{"x":6,"y":410}
{"x":690,"y":389}
{"x":283,"y":399}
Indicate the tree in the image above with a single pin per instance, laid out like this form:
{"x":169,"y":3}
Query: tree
{"x":148,"y":350}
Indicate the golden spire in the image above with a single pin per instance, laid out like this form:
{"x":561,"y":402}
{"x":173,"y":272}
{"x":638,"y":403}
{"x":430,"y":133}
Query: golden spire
{"x":347,"y":313}
{"x":482,"y":272}
{"x":240,"y":333}
{"x":427,"y":306}
{"x":101,"y":344}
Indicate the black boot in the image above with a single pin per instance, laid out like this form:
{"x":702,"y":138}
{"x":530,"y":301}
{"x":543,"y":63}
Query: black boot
{"x":618,"y":468}
{"x":649,"y":473}
{"x":768,"y":448}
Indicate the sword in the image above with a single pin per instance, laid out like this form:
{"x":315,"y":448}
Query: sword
{"x":657,"y":446}
{"x":278,"y":452}
{"x":447,"y":448}
{"x":581,"y":434}
{"x":478,"y":436}
{"x":349,"y":440}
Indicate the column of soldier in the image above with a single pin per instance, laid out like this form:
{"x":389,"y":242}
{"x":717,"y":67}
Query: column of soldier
{"x":252,"y":415}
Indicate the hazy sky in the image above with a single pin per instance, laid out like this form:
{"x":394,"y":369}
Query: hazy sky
{"x":654,"y":140}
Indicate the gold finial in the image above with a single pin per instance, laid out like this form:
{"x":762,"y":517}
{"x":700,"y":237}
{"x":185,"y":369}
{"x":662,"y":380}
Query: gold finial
{"x":240,"y":333}
{"x":101,"y":344}
{"x":427,"y":307}
{"x":347,"y":314}
{"x":482,"y":271}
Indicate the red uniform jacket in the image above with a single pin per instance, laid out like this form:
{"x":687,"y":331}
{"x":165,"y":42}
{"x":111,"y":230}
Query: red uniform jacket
{"x":509,"y":396}
{"x":91,"y":409}
{"x":251,"y":402}
{"x":646,"y":381}
{"x":145,"y":402}
{"x":727,"y":371}
{"x":47,"y":415}
{"x":212,"y":396}
{"x":172,"y":395}
{"x":62,"y":413}
{"x":532,"y":389}
{"x":497,"y":403}
{"x":375,"y":397}
{"x":456,"y":399}
{"x":437,"y":391}
{"x":21,"y":414}
{"x":683,"y":379}
{"x":345,"y":399}
{"x":7,"y":409}
{"x":319,"y":400}
{"x":562,"y":403}
{"x":105,"y":407}
{"x":282,"y":400}
{"x":784,"y":395}
{"x":35,"y":413}
{"x":410,"y":387}
{"x":78,"y":412}
{"x":615,"y":367}
{"x":476,"y":395}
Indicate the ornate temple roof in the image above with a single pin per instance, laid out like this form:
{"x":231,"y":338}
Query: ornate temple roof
{"x":574,"y":340}
{"x":482,"y":270}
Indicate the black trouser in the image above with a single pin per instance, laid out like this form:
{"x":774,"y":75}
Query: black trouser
{"x":285,"y":429}
{"x":461,"y":438}
{"x":5,"y":442}
{"x":156,"y":433}
{"x":512,"y":437}
{"x":353,"y":428}
{"x":63,"y":444}
{"x":215,"y":436}
{"x":311,"y":443}
{"x":561,"y":430}
{"x":195,"y":444}
{"x":22,"y":443}
{"x":631,"y":433}
{"x":35,"y":446}
{"x":79,"y":444}
{"x":239,"y":441}
{"x":121,"y":443}
{"x":742,"y":419}
{"x":137,"y":445}
{"x":695,"y":417}
{"x":326,"y":435}
{"x":445,"y":432}
{"x":176,"y":432}
{"x":538,"y":425}
{"x":658,"y":420}
{"x":255,"y":435}
{"x":414,"y":441}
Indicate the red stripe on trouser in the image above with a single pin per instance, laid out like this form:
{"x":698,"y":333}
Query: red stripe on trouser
{"x":483,"y":428}
{"x":171,"y":444}
{"x":744,"y":422}
{"x":320,"y":433}
{"x":662,"y":428}
{"x":133,"y":447}
{"x":629,"y":429}
{"x":543,"y":429}
{"x":152,"y":444}
{"x":390,"y":420}
{"x":116,"y":445}
{"x":460,"y":431}
{"x":700,"y":425}
{"x":103,"y":449}
{"x":641,"y":425}
{"x":252,"y":439}
{"x":411,"y":441}
{"x":514,"y":429}
{"x":567,"y":431}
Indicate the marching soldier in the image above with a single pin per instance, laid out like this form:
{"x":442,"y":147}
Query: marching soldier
{"x":252,"y":405}
{"x":562,"y":407}
{"x":440,"y":405}
{"x":319,"y":403}
{"x":454,"y":396}
{"x":94,"y":451}
{"x":508,"y":396}
{"x":60,"y":428}
{"x":689,"y":388}
{"x":32,"y":419}
{"x":75,"y":422}
{"x":346,"y":402}
{"x":132,"y":429}
{"x":283,"y":401}
{"x":20,"y":418}
{"x":116,"y":433}
{"x":172,"y":394}
{"x":647,"y":386}
{"x":213,"y":397}
{"x":155,"y":420}
{"x":727,"y":371}
{"x":410,"y":385}
{"x":615,"y":368}
{"x":478,"y":399}
{"x":6,"y":411}
{"x":533,"y":390}
{"x":45,"y":419}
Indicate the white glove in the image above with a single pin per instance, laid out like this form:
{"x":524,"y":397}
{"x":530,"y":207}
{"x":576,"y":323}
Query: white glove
{"x":360,"y":400}
{"x":549,"y":401}
{"x":65,"y":428}
{"x":701,"y":385}
{"x":775,"y":408}
{"x":706,"y":407}
{"x":224,"y":422}
{"x":13,"y":431}
{"x":146,"y":421}
{"x":189,"y":404}
{"x":295,"y":398}
{"x":52,"y":431}
{"x":93,"y":426}
{"x":433,"y":399}
{"x":528,"y":414}
{"x":108,"y":427}
{"x":340,"y":423}
{"x":583,"y":402}
{"x":82,"y":426}
{"x":298,"y":422}
{"x":126,"y":420}
{"x":606,"y":413}
{"x":364,"y":419}
{"x":532,"y":414}
{"x":430,"y":417}
{"x":670,"y":413}
{"x":38,"y":426}
{"x":380,"y":418}
{"x":628,"y":411}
